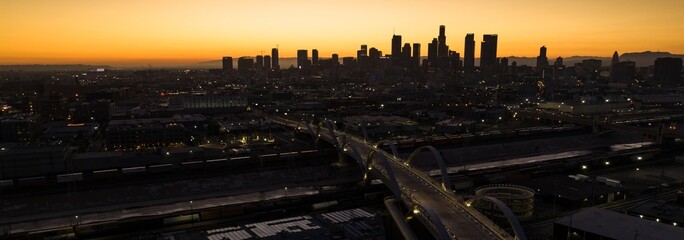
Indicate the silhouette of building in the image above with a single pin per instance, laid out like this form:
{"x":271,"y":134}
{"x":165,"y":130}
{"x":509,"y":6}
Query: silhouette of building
{"x":267,"y":62}
{"x":416,"y":55}
{"x":227,"y":63}
{"x":364,"y":48}
{"x":432,"y":52}
{"x":623,"y":72}
{"x":469,"y":53}
{"x":275,"y":62}
{"x":442,"y":49}
{"x":488,"y":50}
{"x":336,"y":59}
{"x":396,"y":49}
{"x":406,"y":55}
{"x":668,"y":71}
{"x":504,"y":65}
{"x":259,"y":62}
{"x":542,"y":61}
{"x":616,"y":58}
{"x":303,"y":59}
{"x":245,"y":64}
{"x":314,"y":57}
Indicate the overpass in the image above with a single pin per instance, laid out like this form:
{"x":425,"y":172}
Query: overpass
{"x":444,"y":214}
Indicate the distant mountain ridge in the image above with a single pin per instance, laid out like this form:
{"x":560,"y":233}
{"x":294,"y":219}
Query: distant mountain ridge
{"x":51,"y":67}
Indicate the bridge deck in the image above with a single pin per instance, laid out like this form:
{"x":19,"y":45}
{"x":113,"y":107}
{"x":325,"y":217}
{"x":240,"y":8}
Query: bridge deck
{"x":418,"y":189}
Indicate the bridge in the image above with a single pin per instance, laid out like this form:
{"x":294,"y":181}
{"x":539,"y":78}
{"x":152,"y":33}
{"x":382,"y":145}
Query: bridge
{"x":604,"y":124}
{"x":445,"y":214}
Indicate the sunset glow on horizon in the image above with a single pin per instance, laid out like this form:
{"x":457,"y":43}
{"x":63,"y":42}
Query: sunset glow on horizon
{"x":124,"y":32}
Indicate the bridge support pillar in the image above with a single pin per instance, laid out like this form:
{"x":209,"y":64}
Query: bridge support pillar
{"x":393,"y":208}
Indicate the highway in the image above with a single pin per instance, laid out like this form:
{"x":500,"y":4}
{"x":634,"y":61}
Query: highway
{"x":438,"y":208}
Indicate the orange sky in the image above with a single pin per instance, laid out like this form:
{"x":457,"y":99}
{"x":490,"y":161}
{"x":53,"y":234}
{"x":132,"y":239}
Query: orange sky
{"x":120,"y":32}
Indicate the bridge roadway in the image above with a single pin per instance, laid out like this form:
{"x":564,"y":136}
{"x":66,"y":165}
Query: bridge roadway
{"x":444,"y":213}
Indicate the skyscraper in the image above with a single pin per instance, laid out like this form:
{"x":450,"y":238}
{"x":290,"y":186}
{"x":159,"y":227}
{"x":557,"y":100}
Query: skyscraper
{"x":442,"y":49}
{"x":364,"y":48}
{"x":542,"y":61}
{"x":259,"y":62}
{"x":267,"y":62}
{"x":668,"y":71}
{"x":303,"y":59}
{"x":275,"y":62}
{"x":488,"y":50}
{"x":432,"y":52}
{"x":416,"y":55}
{"x":336,"y":59}
{"x":469,"y":53}
{"x":396,"y":49}
{"x":227,"y":64}
{"x":245,"y":64}
{"x":314,"y":57}
{"x":406,"y":55}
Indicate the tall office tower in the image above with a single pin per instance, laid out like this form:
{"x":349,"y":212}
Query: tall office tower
{"x":542,"y":61}
{"x":454,"y":61}
{"x":245,"y":64}
{"x":227,"y":64}
{"x":267,"y":62}
{"x":314,"y":57}
{"x":442,"y":49}
{"x":259,"y":62}
{"x":432,"y":52}
{"x":336,"y":59}
{"x":396,"y":49}
{"x":668,"y":71}
{"x":303,"y":59}
{"x":469,"y":53}
{"x":362,"y":59}
{"x":406,"y":55}
{"x":416,"y":55}
{"x":364,"y":48}
{"x":488,"y":50}
{"x":275,"y":62}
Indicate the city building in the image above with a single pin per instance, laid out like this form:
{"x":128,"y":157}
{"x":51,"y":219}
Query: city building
{"x":416,"y":55}
{"x":245,"y":65}
{"x":406,"y":55}
{"x":469,"y":53}
{"x":542,"y":60}
{"x":442,"y":49}
{"x":303,"y":59}
{"x":488,"y":50}
{"x":314,"y":57}
{"x":396,"y":50}
{"x":259,"y":64}
{"x":432,"y":52}
{"x":267,"y":62}
{"x":275,"y":62}
{"x":227,"y":63}
{"x":668,"y":71}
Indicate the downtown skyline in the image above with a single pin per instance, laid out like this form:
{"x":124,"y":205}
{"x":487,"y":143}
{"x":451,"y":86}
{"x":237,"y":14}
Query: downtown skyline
{"x":169,"y":33}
